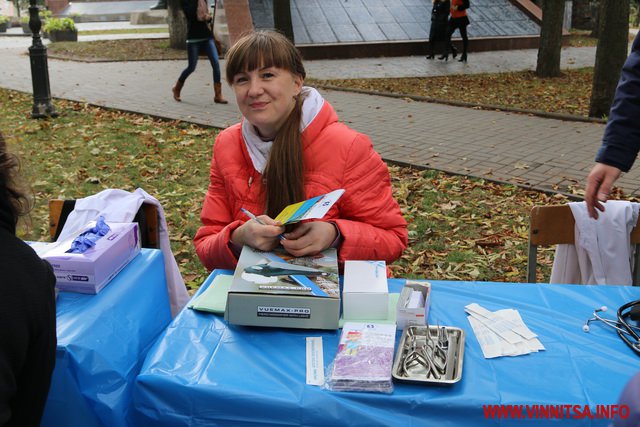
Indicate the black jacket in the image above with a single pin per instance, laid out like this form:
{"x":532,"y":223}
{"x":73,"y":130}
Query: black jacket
{"x":27,"y":328}
{"x":439,"y":19}
{"x":195,"y":29}
{"x":621,"y":140}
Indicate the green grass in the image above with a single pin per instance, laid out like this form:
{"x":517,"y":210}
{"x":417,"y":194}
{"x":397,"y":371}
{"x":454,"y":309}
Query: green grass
{"x":116,"y":50}
{"x":567,"y":94}
{"x":125,"y":31}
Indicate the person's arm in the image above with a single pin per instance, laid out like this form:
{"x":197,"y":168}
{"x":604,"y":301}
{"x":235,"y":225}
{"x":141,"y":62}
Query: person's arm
{"x":213,"y":237}
{"x":621,"y":140}
{"x":370,"y":222}
{"x":220,"y":239}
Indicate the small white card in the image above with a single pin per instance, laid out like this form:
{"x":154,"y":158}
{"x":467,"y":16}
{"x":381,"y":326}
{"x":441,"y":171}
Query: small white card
{"x":315,"y":361}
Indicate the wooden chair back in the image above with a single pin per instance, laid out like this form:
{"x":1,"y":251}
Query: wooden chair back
{"x":146,"y":217}
{"x":554,"y":225}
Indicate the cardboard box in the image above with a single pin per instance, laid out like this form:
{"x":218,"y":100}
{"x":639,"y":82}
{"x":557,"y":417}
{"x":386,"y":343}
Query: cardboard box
{"x":92,"y":270}
{"x":408,"y":312}
{"x":365,"y":295}
{"x":275,"y":289}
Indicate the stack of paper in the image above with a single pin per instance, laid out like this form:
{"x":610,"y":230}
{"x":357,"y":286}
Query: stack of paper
{"x":365,"y":358}
{"x":501,"y":333}
{"x":214,"y":298}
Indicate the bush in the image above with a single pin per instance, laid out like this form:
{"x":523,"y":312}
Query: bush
{"x":4,"y":19}
{"x":24,"y":19}
{"x":59,"y":24}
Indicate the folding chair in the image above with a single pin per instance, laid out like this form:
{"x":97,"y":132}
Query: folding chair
{"x":554,"y":225}
{"x":146,"y":217}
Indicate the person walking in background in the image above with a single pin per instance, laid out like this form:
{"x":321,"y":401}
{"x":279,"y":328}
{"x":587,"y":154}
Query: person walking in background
{"x":199,"y":38}
{"x":290,"y":146}
{"x":459,"y":21}
{"x":438,"y":32}
{"x":27,"y":310}
{"x":621,"y":140}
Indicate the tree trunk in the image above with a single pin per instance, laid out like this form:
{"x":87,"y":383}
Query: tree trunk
{"x":636,"y":19}
{"x":610,"y":54}
{"x":550,"y":38}
{"x":595,"y":13}
{"x":282,"y":18}
{"x":177,"y":25}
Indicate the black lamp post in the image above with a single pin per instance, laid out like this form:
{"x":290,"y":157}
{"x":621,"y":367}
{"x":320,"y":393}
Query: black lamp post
{"x":42,"y":106}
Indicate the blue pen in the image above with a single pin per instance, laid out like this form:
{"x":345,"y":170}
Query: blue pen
{"x":255,"y":218}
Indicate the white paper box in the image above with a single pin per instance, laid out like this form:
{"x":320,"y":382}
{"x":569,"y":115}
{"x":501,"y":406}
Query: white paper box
{"x":265,"y":293}
{"x":92,"y":270}
{"x":407,"y":314}
{"x":365,"y":295}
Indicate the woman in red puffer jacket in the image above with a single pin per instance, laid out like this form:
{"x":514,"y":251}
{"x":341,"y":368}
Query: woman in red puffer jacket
{"x":290,"y":147}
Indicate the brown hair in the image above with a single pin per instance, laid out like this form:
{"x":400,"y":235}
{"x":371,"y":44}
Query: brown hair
{"x":15,"y":200}
{"x":284,"y":172}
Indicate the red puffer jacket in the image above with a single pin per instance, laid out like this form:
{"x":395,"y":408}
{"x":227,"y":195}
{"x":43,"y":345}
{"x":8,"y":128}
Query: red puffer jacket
{"x":335,"y":156}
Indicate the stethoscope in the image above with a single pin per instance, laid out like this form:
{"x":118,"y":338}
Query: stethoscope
{"x":628,"y":333}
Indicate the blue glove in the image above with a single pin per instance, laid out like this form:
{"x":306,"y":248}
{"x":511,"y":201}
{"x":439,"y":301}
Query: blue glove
{"x":89,"y":238}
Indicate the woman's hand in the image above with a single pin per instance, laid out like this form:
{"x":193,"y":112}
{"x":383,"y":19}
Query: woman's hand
{"x":259,"y":236}
{"x":309,"y":238}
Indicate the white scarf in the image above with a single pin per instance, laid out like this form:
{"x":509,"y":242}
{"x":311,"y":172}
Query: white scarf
{"x":258,"y":149}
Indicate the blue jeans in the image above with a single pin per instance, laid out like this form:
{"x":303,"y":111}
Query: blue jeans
{"x":193,"y":49}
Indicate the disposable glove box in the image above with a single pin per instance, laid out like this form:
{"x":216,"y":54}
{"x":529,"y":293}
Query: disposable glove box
{"x":92,"y":270}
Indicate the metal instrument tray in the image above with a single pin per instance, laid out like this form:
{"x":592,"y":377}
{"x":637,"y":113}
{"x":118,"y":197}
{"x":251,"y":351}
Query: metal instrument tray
{"x":420,"y":357}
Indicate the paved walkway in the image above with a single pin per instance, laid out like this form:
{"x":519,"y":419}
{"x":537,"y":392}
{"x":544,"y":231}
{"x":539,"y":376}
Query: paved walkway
{"x":547,"y":154}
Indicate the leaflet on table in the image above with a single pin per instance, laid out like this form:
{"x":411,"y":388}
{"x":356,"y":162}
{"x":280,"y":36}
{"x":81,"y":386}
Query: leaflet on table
{"x":277,"y":289}
{"x":502,"y":333}
{"x":365,"y":358}
{"x":313,"y":208}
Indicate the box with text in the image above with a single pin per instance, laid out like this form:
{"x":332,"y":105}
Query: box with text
{"x":275,"y":289}
{"x":413,"y":304}
{"x":92,"y":270}
{"x":366,"y":293}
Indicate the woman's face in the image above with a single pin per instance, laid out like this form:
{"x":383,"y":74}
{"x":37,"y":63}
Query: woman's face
{"x":266,"y":96}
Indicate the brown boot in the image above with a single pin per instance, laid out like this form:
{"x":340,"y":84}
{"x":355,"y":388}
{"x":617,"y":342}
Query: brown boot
{"x":218,"y":99}
{"x":176,"y":90}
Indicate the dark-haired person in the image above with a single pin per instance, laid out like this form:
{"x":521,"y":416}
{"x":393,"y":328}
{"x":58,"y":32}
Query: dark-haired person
{"x":289,"y":147}
{"x":199,"y":39}
{"x":27,"y":309}
{"x":438,"y":33}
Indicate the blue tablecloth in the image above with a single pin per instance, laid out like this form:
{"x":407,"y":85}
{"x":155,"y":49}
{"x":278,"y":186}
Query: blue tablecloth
{"x":203,"y":372}
{"x":102,"y":341}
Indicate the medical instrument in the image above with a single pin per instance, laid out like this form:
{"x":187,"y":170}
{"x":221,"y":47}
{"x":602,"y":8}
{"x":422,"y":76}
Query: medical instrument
{"x":429,"y":355}
{"x":630,"y":334}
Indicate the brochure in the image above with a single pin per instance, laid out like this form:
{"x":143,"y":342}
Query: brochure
{"x":313,"y":208}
